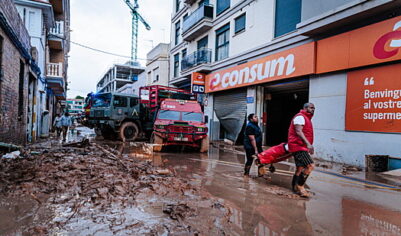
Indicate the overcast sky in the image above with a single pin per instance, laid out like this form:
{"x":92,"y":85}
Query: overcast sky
{"x":106,"y":25}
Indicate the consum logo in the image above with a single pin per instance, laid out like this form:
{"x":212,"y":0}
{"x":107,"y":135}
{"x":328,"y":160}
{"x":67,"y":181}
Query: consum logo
{"x":381,"y":51}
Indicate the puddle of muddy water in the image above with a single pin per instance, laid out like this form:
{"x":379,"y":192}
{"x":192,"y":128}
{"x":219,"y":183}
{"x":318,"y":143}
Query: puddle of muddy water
{"x":18,"y":214}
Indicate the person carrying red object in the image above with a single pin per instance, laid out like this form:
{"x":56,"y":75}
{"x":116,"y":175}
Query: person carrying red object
{"x":252,"y":141}
{"x":300,"y":141}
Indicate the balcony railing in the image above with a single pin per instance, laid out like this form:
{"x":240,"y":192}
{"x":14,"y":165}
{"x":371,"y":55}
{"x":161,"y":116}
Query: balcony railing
{"x":58,"y":29}
{"x":204,"y":11}
{"x":189,"y":2}
{"x":55,"y":69}
{"x":201,"y":56}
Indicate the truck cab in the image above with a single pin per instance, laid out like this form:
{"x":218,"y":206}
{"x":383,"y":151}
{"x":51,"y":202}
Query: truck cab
{"x":181,"y":122}
{"x":114,"y":114}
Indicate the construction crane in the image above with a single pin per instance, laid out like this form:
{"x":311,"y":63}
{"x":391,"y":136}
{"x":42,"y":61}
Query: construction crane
{"x":135,"y":18}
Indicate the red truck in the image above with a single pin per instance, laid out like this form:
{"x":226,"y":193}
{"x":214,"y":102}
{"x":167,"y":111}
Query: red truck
{"x":181,"y":122}
{"x":176,"y":117}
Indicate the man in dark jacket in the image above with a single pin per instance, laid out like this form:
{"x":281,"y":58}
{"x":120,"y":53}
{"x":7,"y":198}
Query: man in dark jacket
{"x":252,"y":141}
{"x":300,"y":141}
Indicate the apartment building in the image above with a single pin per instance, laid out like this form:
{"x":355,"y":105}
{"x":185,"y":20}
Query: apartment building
{"x":121,"y":78}
{"x":47,"y":22}
{"x":269,"y":57}
{"x":58,"y":47}
{"x":75,"y":106}
{"x":157,"y":65}
{"x":16,"y":72}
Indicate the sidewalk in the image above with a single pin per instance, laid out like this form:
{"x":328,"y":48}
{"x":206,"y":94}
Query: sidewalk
{"x":389,"y":179}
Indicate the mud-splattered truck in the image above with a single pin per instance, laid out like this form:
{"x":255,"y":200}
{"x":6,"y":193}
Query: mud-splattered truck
{"x":128,"y":116}
{"x":181,"y":122}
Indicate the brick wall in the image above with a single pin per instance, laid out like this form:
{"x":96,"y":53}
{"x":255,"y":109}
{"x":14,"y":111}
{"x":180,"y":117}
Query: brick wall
{"x":12,"y":127}
{"x":7,"y":8}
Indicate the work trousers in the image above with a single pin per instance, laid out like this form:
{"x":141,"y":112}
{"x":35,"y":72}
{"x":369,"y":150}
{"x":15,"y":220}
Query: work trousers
{"x":249,"y":152}
{"x":65,"y":131}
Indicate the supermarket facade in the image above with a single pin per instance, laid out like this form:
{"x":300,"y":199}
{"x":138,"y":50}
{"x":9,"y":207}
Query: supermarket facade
{"x":352,"y":75}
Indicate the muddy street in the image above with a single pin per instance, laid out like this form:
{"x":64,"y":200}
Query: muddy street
{"x":102,"y":188}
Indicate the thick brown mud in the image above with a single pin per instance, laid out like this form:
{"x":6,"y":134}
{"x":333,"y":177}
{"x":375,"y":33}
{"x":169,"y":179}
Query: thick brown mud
{"x":91,"y":189}
{"x":111,"y":188}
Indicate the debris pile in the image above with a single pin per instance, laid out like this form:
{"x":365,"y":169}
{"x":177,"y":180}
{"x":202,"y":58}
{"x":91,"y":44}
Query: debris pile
{"x":92,"y":189}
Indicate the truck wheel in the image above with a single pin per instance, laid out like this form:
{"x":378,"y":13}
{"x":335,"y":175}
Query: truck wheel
{"x":128,"y":131}
{"x":158,"y":141}
{"x":204,"y":146}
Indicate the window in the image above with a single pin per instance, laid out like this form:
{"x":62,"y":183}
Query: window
{"x":202,"y":43}
{"x":133,"y":102}
{"x":177,"y":33}
{"x":101,"y":100}
{"x":288,"y":15}
{"x":177,"y":5}
{"x":184,"y":53}
{"x":120,"y":101}
{"x":240,"y":23}
{"x":21,"y":89}
{"x":192,"y":116}
{"x":222,"y":42}
{"x":222,"y":5}
{"x":149,"y":76}
{"x":176,"y":64}
{"x":203,"y":2}
{"x":169,"y":115}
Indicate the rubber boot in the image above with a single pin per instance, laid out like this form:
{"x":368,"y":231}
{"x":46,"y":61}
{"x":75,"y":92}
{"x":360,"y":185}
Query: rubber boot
{"x":300,"y":187}
{"x":302,"y":179}
{"x":247,"y":169}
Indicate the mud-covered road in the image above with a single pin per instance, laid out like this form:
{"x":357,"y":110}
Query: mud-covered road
{"x":106,"y":188}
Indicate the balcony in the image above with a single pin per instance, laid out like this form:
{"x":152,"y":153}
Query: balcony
{"x":202,"y":56}
{"x":198,"y":23}
{"x":55,"y":79}
{"x":54,"y":70}
{"x":189,"y":2}
{"x":57,"y":35}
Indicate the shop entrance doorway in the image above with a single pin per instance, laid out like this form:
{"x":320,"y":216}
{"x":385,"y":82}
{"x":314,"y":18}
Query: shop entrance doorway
{"x":282,"y":102}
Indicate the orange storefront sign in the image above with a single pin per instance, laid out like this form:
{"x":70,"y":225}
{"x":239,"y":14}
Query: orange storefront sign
{"x":373,"y":44}
{"x":286,"y":64}
{"x":198,"y":82}
{"x":374,"y":100}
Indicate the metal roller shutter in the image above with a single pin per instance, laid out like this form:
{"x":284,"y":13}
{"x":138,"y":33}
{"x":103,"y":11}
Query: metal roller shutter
{"x":230,"y":108}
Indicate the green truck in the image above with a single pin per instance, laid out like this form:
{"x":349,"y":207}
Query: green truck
{"x":116,"y":115}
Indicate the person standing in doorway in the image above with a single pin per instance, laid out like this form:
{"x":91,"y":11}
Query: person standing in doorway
{"x":300,"y":141}
{"x":66,"y":122}
{"x":252,"y":141}
{"x":57,"y":125}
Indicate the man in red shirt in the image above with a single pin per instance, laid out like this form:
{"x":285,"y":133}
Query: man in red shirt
{"x":300,"y":141}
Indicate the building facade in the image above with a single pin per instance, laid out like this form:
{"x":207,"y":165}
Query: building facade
{"x":48,"y":25}
{"x":270,"y":57}
{"x":16,"y":72}
{"x":57,"y":49}
{"x":120,"y":77}
{"x":75,"y":106}
{"x":157,"y":65}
